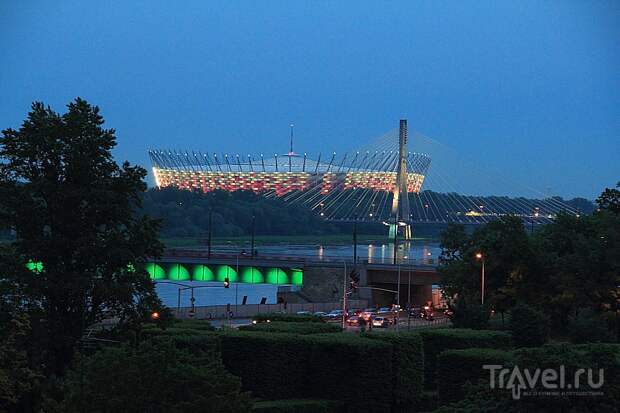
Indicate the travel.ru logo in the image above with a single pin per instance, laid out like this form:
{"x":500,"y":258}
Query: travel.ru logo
{"x":553,"y":381}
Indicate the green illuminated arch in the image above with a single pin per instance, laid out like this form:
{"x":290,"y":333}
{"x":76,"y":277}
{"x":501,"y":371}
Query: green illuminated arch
{"x":34,"y":266}
{"x":178,"y":272}
{"x":297,"y":276}
{"x":252,"y":275}
{"x":224,"y":271}
{"x":202,"y":273}
{"x":155,"y":271}
{"x":276,"y":276}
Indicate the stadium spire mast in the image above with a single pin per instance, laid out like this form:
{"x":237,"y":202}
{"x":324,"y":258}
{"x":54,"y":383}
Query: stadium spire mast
{"x":292,"y":125}
{"x":400,"y":216}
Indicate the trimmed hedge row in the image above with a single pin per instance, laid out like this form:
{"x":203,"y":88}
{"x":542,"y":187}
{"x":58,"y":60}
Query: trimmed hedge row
{"x":323,"y":366}
{"x":559,"y":357}
{"x":437,"y":340}
{"x":573,"y":358}
{"x":297,"y":406}
{"x":310,"y":318}
{"x":457,"y":367}
{"x":293,"y":327}
{"x":407,"y":366}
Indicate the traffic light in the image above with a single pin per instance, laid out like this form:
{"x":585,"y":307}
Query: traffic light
{"x":354,"y":275}
{"x":226,"y":282}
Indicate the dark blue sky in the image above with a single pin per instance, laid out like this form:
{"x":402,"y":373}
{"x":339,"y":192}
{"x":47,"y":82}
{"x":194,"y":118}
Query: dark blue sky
{"x":528,"y":88}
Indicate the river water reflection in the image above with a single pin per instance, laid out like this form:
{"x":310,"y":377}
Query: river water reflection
{"x":417,"y":250}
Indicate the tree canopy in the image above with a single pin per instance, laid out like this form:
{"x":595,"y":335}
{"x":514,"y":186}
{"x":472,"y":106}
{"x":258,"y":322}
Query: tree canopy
{"x":74,"y":211}
{"x":570,"y":264}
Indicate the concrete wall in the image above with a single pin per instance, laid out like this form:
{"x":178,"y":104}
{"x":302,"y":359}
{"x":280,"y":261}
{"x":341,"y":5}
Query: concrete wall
{"x":322,"y":284}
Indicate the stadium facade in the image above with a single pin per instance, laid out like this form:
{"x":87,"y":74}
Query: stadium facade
{"x":285,"y":173}
{"x":320,"y":182}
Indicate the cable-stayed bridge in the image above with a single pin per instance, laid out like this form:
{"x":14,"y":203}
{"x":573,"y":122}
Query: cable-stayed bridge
{"x":383,"y":181}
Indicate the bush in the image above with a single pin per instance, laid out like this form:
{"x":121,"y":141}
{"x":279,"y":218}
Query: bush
{"x":529,"y":327}
{"x":407,"y":366}
{"x":467,"y":315}
{"x":155,"y":377}
{"x":293,"y":327}
{"x":457,"y":367}
{"x":326,"y":366}
{"x":592,"y":327}
{"x":202,"y":325}
{"x":297,"y":406}
{"x":311,"y":318}
{"x":480,"y":398}
{"x":437,"y":340}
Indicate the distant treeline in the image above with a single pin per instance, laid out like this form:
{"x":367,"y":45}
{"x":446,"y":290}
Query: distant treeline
{"x":186,"y":214}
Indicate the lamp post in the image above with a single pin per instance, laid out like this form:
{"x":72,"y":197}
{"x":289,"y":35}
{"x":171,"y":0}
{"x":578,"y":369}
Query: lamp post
{"x":409,"y":296}
{"x":398,"y":300}
{"x":253,"y":230}
{"x":480,"y":257}
{"x":355,"y":244}
{"x":210,"y":230}
{"x":395,"y":238}
{"x":344,"y":296}
{"x":532,"y":221}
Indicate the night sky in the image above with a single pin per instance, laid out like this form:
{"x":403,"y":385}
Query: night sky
{"x":531,"y":89}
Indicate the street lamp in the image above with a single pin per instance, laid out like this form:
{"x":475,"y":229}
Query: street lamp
{"x":535,"y":217}
{"x":480,"y":257}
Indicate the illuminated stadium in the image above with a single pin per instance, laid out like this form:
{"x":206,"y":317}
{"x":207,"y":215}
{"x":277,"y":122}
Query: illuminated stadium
{"x":335,"y":186}
{"x":285,"y":173}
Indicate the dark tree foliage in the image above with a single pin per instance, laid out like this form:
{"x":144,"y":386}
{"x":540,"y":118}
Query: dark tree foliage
{"x":155,"y":377}
{"x":73,"y":209}
{"x":568,"y":265}
{"x":529,"y":327}
{"x":186,"y":214}
{"x":470,"y":315}
{"x":507,"y":254}
{"x":18,"y":381}
{"x":610,"y":199}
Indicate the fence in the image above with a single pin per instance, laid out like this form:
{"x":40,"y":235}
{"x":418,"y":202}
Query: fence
{"x":249,"y":310}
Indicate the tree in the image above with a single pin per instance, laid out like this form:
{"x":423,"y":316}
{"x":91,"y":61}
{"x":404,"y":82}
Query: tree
{"x":75,"y":215}
{"x":610,"y":199}
{"x":17,"y":380}
{"x":529,"y":327}
{"x":507,"y":253}
{"x":155,"y":377}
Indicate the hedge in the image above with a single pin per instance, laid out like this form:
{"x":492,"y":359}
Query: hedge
{"x":529,"y":326}
{"x":572,"y":357}
{"x":310,"y":318}
{"x":407,"y":366}
{"x":437,"y":340}
{"x":293,"y":327}
{"x":297,"y":406}
{"x":326,"y":366}
{"x":457,"y":367}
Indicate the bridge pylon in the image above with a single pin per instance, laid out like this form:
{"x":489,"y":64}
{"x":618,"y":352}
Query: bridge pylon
{"x":400,"y":222}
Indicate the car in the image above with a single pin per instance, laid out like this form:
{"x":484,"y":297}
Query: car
{"x":353,"y":321}
{"x":380,"y":322}
{"x":320,"y":313}
{"x":428,"y":313}
{"x":384,"y":310}
{"x":415,"y":311}
{"x":354,"y":311}
{"x":334,"y":314}
{"x":304,"y":313}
